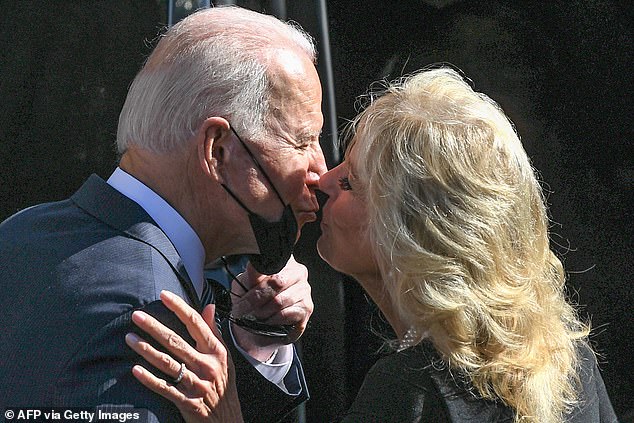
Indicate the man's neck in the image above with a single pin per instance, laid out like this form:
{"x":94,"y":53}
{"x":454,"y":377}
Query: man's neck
{"x":161,"y":174}
{"x":177,"y":179}
{"x":180,"y":233}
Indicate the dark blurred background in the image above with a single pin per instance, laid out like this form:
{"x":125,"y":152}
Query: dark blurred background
{"x":561,"y":69}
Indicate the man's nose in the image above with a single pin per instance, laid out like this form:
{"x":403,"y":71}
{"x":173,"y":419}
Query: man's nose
{"x":312,"y":180}
{"x":318,"y":162}
{"x":316,"y":168}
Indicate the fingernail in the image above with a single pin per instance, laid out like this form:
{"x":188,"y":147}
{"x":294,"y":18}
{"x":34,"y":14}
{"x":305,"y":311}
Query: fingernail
{"x":167,"y":294}
{"x":138,"y":317}
{"x":131,"y":338}
{"x":137,"y":370}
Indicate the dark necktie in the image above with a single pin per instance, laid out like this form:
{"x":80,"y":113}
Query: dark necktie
{"x":215,"y":293}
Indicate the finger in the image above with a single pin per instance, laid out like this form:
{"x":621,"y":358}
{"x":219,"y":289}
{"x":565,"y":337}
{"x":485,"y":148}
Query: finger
{"x":241,"y":284}
{"x":261,"y":293}
{"x":282,"y":309}
{"x":293,"y":316}
{"x":250,"y":281}
{"x":159,"y":386}
{"x":293,"y":270}
{"x":282,"y":306}
{"x":251,"y":277}
{"x":166,"y":337}
{"x":195,"y":408}
{"x":163,"y":362}
{"x":198,"y":328}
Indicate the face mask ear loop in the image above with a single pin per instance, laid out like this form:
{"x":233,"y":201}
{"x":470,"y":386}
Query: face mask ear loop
{"x":233,"y":276}
{"x":236,"y":198}
{"x":258,"y":166}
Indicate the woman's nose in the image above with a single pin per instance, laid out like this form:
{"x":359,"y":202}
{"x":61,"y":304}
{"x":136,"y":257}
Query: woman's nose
{"x":327,"y":182}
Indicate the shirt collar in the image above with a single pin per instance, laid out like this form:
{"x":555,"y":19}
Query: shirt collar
{"x":182,"y":236}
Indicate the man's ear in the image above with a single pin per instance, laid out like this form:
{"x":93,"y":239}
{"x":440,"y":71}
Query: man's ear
{"x":213,"y":146}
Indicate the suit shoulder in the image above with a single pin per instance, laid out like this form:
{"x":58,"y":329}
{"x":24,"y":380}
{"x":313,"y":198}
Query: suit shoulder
{"x":35,"y":215}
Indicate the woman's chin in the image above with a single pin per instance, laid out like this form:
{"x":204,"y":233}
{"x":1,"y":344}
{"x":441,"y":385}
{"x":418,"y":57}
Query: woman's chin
{"x":326,"y":253}
{"x":322,"y":250}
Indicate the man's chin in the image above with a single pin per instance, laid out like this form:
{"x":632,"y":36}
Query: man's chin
{"x":304,"y":218}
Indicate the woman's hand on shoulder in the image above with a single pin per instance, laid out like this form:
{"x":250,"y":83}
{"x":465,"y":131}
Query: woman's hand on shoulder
{"x":203,"y":385}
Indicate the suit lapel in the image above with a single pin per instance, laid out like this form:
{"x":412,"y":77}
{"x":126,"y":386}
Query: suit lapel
{"x":107,"y":204}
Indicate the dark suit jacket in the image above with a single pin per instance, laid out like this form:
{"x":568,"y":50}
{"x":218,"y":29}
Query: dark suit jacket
{"x":412,"y":386}
{"x":71,"y":273}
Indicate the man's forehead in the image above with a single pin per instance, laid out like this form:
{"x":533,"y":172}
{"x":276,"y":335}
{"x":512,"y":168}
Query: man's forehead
{"x":303,"y":122}
{"x":295,"y":98}
{"x":292,"y":74}
{"x":303,"y":126}
{"x":289,"y":61}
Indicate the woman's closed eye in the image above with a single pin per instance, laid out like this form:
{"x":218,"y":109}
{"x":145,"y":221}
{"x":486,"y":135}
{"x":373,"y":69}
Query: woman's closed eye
{"x":344,"y":183}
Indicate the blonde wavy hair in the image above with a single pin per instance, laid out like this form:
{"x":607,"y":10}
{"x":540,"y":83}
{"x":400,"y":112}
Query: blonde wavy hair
{"x":460,"y":228}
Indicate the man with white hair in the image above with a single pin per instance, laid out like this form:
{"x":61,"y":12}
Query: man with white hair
{"x":220,"y":155}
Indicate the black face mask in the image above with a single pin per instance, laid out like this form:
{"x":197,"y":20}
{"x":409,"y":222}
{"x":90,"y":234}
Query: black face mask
{"x":275,"y":239}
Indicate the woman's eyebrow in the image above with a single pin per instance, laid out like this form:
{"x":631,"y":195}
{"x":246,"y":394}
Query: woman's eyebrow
{"x":351,"y":172}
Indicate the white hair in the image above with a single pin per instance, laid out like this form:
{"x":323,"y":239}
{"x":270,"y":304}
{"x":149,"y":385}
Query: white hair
{"x":212,"y":63}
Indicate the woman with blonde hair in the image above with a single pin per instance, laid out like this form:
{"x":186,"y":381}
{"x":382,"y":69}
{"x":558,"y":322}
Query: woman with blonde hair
{"x":438,"y":214}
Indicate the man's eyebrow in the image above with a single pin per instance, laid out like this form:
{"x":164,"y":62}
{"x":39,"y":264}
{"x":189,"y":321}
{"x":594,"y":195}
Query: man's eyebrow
{"x":307,"y":137}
